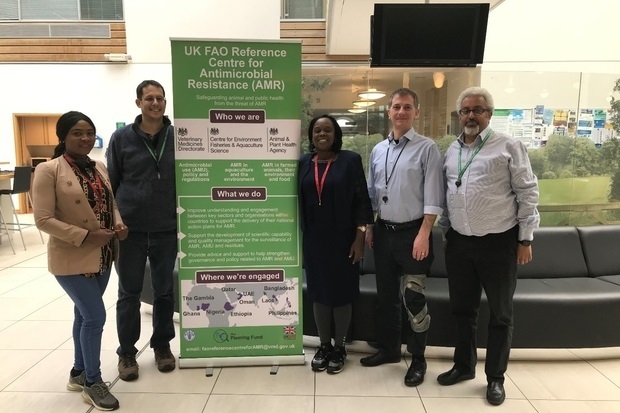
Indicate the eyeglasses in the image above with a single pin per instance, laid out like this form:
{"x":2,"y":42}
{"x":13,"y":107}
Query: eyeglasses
{"x":477,"y":111}
{"x":152,"y":99}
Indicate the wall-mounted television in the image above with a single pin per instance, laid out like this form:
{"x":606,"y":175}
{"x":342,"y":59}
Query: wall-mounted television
{"x":428,"y":35}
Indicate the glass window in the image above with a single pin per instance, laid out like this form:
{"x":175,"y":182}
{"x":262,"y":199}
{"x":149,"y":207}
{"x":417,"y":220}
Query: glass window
{"x":565,"y":120}
{"x":101,"y":9}
{"x":9,"y":10}
{"x":47,"y":10}
{"x":303,"y":9}
{"x":570,"y":123}
{"x":338,"y":90}
{"x":61,"y":10}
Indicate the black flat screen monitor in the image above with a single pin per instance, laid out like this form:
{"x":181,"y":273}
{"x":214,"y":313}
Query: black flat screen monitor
{"x":428,"y":35}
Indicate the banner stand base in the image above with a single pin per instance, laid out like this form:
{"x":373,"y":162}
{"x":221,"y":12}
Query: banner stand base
{"x":242,"y":361}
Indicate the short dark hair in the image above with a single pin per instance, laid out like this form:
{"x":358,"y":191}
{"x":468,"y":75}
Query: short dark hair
{"x":337,"y":145}
{"x":403,"y":91}
{"x":145,"y":83}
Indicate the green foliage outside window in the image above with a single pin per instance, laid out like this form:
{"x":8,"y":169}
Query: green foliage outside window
{"x":615,"y":108}
{"x":445,"y":142}
{"x":363,"y":145}
{"x":612,"y":149}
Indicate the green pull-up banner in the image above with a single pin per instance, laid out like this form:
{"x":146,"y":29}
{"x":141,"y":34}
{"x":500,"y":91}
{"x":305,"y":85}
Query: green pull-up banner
{"x":237,"y":128}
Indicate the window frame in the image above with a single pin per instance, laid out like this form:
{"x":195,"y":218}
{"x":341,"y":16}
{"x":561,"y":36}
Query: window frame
{"x":12,"y":11}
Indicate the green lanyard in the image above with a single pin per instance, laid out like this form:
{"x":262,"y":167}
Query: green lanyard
{"x":462,"y":170}
{"x":161,"y":151}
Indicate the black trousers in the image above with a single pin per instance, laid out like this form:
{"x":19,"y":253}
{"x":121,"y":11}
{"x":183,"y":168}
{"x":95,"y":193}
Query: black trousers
{"x":475,"y":263}
{"x":393,"y":259}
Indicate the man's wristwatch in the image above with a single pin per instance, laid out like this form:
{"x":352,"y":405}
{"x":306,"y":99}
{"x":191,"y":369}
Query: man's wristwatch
{"x":362,"y":228}
{"x":526,"y":242}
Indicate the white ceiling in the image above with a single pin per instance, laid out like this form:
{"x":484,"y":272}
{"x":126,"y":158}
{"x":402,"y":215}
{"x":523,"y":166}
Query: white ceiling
{"x":348,"y":23}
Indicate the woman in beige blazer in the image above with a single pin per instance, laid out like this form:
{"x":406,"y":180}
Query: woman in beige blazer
{"x":74,"y":204}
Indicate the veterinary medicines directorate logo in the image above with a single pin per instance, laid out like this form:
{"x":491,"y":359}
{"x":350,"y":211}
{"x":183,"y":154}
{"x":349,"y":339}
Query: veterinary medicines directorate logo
{"x":182,"y":131}
{"x":273,"y":131}
{"x":214,"y":131}
{"x":189,"y":335}
{"x":290,"y":332}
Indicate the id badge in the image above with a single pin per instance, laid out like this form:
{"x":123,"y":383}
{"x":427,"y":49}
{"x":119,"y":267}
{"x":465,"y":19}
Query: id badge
{"x":456,"y":201}
{"x":383,"y":195}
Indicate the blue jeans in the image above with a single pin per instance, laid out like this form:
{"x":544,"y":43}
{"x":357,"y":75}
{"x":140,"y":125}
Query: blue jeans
{"x":161,"y":250}
{"x":89,"y":318}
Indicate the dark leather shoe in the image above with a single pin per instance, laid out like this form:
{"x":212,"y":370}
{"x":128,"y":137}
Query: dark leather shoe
{"x":380,"y":358}
{"x":453,"y":376}
{"x":495,"y":393}
{"x":415,"y":374}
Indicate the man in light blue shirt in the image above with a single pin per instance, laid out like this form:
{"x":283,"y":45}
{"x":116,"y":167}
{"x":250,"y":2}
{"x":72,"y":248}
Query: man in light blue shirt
{"x":492,"y":199}
{"x":405,"y":184}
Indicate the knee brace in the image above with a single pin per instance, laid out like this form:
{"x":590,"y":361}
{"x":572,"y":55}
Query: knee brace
{"x":415,"y":302}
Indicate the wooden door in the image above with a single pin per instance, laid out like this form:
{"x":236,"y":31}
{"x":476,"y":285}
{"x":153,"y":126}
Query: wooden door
{"x":34,"y":130}
{"x":35,"y":136}
{"x":50,"y":127}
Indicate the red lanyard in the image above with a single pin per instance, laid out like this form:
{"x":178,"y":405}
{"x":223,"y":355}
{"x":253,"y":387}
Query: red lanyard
{"x":319,"y":186}
{"x":95,"y":183}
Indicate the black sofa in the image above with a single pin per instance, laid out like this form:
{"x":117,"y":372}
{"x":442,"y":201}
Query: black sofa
{"x":567,"y":297}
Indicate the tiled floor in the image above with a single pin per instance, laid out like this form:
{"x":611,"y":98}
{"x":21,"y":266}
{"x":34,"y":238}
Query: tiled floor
{"x":36,"y":354}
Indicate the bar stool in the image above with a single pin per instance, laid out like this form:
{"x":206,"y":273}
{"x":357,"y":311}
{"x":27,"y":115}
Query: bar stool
{"x":21,"y":184}
{"x":5,"y":229}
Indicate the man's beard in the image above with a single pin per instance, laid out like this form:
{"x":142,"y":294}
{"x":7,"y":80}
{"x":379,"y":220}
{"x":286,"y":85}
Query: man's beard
{"x":471,"y":130}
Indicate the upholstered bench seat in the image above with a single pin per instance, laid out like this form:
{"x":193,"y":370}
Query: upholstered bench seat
{"x":567,"y":297}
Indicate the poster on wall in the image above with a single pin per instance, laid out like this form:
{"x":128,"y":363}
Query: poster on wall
{"x":585,"y":123}
{"x":548,"y":116}
{"x":517,"y":123}
{"x":600,"y":116}
{"x":500,"y":121}
{"x":571,"y":126}
{"x":237,"y":129}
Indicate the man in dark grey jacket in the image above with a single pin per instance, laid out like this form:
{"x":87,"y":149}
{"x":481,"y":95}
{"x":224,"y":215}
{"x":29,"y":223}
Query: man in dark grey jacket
{"x":141,"y":167}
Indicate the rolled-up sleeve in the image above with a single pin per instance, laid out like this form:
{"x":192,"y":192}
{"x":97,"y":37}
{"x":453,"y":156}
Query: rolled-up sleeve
{"x":525,"y":186}
{"x":434,"y":193}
